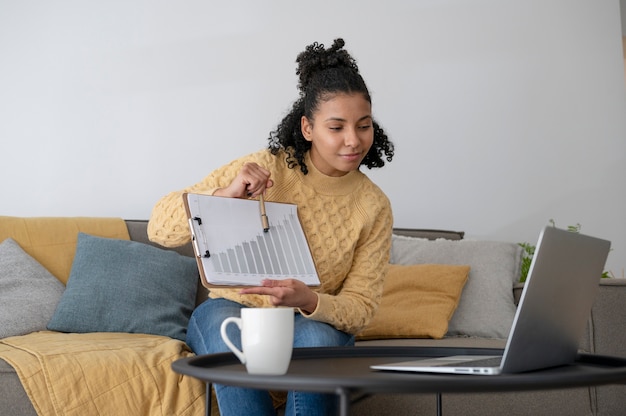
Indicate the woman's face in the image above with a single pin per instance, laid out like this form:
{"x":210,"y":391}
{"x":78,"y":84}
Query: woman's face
{"x":341,"y":133}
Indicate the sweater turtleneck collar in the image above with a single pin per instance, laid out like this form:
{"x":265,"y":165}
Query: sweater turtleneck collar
{"x":330,"y":185}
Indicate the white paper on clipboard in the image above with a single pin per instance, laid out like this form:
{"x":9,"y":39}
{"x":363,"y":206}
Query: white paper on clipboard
{"x":232,"y":249}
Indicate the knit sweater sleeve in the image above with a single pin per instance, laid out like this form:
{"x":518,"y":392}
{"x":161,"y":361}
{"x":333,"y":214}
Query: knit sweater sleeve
{"x":352,"y":308}
{"x":168,"y":222}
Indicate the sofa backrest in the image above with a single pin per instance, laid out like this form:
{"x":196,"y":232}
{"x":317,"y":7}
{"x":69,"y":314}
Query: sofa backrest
{"x":138,"y":231}
{"x":429,"y":234}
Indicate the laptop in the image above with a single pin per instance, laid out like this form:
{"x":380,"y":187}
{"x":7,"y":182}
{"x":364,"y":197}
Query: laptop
{"x":554,"y":307}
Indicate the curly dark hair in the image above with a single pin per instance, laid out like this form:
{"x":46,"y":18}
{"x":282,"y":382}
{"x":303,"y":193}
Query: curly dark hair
{"x":322,"y":74}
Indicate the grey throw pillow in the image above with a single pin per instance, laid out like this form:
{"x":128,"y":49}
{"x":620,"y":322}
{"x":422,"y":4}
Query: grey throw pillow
{"x":487,"y":307}
{"x":127,"y":286}
{"x":28,"y":292}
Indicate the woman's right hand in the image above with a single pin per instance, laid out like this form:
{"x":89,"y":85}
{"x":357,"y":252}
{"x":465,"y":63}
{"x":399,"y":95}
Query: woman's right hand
{"x":251,"y":181}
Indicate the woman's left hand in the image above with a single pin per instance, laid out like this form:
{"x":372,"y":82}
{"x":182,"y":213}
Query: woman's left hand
{"x":288,"y":292}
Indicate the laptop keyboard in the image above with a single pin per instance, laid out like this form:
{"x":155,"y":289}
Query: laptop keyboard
{"x":487,"y":362}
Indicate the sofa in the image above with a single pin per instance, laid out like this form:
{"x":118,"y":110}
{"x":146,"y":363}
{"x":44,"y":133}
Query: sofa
{"x":455,"y":292}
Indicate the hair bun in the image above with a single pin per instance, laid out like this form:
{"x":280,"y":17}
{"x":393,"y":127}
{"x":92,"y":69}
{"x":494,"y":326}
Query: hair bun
{"x":316,"y":58}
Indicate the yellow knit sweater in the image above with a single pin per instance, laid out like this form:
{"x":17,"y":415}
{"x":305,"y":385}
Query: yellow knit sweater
{"x":347,"y":221}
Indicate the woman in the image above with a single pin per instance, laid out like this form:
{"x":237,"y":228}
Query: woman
{"x":312,"y":160}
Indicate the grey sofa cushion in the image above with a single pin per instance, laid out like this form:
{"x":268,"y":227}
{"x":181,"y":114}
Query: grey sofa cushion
{"x":486,"y":308}
{"x":28,"y":292}
{"x":13,"y":400}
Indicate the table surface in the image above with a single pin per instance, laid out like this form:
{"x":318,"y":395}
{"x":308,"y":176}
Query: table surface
{"x":330,"y":370}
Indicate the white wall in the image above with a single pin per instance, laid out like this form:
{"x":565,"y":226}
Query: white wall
{"x":622,"y":4}
{"x":505,"y":114}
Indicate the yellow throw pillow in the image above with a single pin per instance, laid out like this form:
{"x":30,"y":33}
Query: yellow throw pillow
{"x":418,"y":301}
{"x":52,"y":240}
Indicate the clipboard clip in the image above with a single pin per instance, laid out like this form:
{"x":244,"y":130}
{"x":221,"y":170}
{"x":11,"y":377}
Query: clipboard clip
{"x":194,"y":239}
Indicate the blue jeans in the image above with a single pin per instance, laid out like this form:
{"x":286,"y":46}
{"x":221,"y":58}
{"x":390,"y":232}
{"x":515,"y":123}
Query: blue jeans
{"x":203,"y":337}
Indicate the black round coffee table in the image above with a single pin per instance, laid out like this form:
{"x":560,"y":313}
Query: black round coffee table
{"x":346,"y":372}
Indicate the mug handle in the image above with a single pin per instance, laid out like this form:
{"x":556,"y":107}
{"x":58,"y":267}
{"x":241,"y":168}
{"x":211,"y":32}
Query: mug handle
{"x":230,"y":345}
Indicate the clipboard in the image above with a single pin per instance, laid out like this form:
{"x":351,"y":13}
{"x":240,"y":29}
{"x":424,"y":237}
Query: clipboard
{"x":232,"y":248}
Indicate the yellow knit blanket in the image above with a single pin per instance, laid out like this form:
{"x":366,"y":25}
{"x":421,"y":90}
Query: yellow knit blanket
{"x":103,"y":374}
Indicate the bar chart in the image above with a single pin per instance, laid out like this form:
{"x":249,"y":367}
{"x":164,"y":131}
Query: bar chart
{"x":234,"y":249}
{"x":280,"y":252}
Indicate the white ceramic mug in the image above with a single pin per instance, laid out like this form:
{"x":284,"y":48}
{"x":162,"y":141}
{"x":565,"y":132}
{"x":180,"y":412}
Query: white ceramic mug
{"x":266,"y":339}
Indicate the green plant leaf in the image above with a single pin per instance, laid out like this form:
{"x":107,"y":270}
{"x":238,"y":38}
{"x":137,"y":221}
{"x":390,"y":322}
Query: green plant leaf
{"x":529,"y":253}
